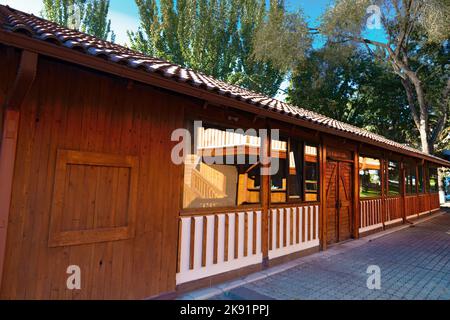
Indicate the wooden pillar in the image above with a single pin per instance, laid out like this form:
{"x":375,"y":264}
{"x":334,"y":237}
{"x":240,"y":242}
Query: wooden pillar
{"x":383,"y":171}
{"x":22,"y":84}
{"x":356,"y":214}
{"x":323,"y":195}
{"x":403,"y":189}
{"x":266,"y":146}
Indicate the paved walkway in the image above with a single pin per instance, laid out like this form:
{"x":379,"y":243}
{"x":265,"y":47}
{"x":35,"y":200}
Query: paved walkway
{"x":414,"y":264}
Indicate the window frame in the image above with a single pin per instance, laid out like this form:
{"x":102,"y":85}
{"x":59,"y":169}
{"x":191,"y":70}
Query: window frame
{"x":301,"y":142}
{"x":429,"y":179}
{"x":386,"y":177}
{"x":410,"y":167}
{"x":207,"y":124}
{"x":380,"y":159}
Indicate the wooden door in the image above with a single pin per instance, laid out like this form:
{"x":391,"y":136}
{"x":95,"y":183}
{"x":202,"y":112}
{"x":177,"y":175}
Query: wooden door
{"x":331,"y":176}
{"x":339,"y":208}
{"x":345,"y":201}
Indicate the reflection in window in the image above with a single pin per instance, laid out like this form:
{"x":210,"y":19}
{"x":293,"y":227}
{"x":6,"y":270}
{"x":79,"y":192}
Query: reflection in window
{"x":410,"y":178}
{"x":222,"y":169}
{"x":393,"y":178}
{"x":420,"y":182}
{"x":433,"y":179}
{"x":295,"y":170}
{"x":311,"y":173}
{"x":302,"y":172}
{"x":278,"y":189}
{"x":369,"y":177}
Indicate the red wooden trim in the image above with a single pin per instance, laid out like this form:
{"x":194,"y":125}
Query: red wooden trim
{"x":7,"y":161}
{"x":192,"y":244}
{"x":204,"y":240}
{"x":22,"y":85}
{"x":356,"y":196}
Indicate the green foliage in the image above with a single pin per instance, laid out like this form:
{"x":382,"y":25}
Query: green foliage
{"x":89,"y":16}
{"x":356,"y":90}
{"x":283,"y":38}
{"x":211,"y":36}
{"x":416,"y":50}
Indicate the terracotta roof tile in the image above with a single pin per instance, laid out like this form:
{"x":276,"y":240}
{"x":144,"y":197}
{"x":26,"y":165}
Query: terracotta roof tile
{"x":17,"y":21}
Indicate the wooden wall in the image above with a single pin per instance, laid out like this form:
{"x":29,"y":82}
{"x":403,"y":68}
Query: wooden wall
{"x":70,"y":108}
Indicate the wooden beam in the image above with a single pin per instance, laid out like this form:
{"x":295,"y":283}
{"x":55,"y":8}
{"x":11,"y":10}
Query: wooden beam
{"x":26,"y":74}
{"x":403,"y":189}
{"x":323,"y":196}
{"x":265,"y":197}
{"x":356,"y":193}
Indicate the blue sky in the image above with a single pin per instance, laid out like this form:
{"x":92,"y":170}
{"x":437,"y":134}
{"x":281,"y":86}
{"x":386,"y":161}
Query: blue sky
{"x":124,"y":14}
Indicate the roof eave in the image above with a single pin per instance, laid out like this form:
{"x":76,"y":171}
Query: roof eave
{"x":97,"y":63}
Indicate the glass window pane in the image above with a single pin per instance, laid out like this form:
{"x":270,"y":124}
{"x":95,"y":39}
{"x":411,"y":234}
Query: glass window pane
{"x":410,"y":178}
{"x":433,"y":179}
{"x":222,"y":170}
{"x":420,"y":182}
{"x":369,"y":177}
{"x":311,"y":173}
{"x":278,"y":180}
{"x":295,"y":170}
{"x":393,"y":178}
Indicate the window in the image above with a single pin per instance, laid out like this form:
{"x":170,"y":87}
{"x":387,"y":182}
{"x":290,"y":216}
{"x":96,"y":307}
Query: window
{"x":433,"y":179}
{"x":222,"y":169}
{"x":295,"y":170}
{"x":297,"y":177}
{"x":393,"y":178}
{"x":369,"y":177}
{"x":410,"y":178}
{"x":278,"y":180}
{"x":420,"y":182}
{"x":311,"y":173}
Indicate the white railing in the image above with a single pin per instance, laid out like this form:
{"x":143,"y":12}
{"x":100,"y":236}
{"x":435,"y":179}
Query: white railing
{"x":216,"y":243}
{"x":293,"y":229}
{"x":370,"y":215}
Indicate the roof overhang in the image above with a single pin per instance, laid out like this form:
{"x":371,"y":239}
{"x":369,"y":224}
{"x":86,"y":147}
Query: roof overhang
{"x":97,"y":63}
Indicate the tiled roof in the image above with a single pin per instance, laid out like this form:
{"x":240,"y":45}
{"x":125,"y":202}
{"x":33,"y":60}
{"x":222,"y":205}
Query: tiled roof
{"x":37,"y":28}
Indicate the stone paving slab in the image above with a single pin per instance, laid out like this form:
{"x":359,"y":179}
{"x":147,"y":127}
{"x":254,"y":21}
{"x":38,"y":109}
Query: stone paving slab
{"x":414,"y":261}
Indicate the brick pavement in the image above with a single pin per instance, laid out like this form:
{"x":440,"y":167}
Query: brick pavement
{"x":414,"y":263}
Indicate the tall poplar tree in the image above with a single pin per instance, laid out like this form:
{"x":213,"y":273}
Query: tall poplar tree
{"x":211,"y":36}
{"x":89,"y":16}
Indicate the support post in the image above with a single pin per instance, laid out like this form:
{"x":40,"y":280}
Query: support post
{"x":323,"y":195}
{"x":266,"y":146}
{"x":22,"y":84}
{"x":403,"y":189}
{"x":356,"y":193}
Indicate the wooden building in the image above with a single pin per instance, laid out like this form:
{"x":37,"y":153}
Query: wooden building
{"x":87,"y":177}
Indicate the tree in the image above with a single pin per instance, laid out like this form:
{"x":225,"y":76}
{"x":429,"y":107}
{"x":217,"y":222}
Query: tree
{"x":416,"y":48}
{"x":89,"y":16}
{"x":211,"y":36}
{"x":353,"y":90}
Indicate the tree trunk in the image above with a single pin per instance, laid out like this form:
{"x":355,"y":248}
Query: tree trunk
{"x":423,"y":112}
